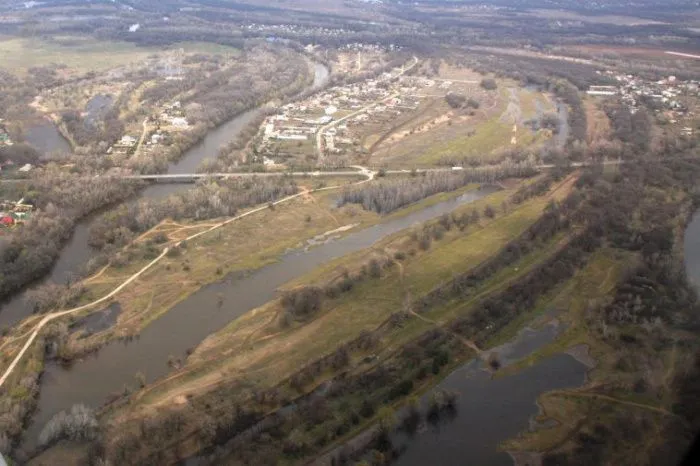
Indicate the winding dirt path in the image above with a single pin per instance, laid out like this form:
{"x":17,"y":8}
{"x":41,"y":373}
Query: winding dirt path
{"x":598,"y":396}
{"x":468,"y":343}
{"x":50,"y":317}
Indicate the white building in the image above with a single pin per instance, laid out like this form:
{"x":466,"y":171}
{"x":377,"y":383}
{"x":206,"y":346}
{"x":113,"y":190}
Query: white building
{"x":179,"y":122}
{"x":128,"y":141}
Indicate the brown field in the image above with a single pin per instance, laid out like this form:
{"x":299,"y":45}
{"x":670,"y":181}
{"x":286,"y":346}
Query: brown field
{"x":645,"y":52}
{"x":435,"y":134}
{"x":598,"y":123}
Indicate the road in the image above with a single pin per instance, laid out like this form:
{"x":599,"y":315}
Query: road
{"x":49,"y":317}
{"x":192,"y":177}
{"x":321,"y":130}
{"x":55,"y":315}
{"x":143,"y":136}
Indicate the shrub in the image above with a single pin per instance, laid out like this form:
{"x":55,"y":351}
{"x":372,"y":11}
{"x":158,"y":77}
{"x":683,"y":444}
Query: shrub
{"x":77,"y":424}
{"x":493,"y":361}
{"x":473,"y":103}
{"x":438,"y":232}
{"x":160,"y":238}
{"x":303,"y":302}
{"x":424,"y":243}
{"x":489,"y":84}
{"x":375,"y":270}
{"x":455,"y":100}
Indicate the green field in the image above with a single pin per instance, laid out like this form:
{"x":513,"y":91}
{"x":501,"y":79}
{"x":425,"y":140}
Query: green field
{"x":82,"y":54}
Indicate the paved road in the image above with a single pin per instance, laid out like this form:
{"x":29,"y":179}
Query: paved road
{"x":191,"y":177}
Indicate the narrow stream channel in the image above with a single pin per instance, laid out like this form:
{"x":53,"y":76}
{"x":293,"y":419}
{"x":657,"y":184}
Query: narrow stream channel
{"x":92,"y":380}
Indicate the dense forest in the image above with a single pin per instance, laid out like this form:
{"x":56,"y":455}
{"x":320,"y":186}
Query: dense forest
{"x":389,"y":195}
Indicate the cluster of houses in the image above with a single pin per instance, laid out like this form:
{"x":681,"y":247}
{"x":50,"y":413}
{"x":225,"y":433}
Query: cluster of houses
{"x":125,"y":146}
{"x":353,"y":103}
{"x":14,"y":213}
{"x":668,"y":95}
{"x":171,"y":117}
{"x":294,"y":29}
{"x":4,"y":136}
{"x":364,"y":47}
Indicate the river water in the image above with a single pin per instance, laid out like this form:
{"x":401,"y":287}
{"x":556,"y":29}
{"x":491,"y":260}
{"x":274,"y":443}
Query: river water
{"x":45,"y":137}
{"x":93,"y":379}
{"x":691,"y":248}
{"x":77,"y":252}
{"x":489,"y":409}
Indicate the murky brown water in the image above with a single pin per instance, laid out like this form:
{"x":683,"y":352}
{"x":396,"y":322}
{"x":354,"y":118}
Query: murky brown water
{"x":92,"y":380}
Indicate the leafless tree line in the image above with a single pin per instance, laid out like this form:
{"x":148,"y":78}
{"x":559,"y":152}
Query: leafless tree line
{"x":208,"y":199}
{"x":62,"y":199}
{"x":388,"y":195}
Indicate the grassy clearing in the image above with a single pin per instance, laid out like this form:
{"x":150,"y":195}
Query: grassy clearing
{"x":252,"y":344}
{"x":599,"y":128}
{"x":487,"y":137}
{"x":83,"y":54}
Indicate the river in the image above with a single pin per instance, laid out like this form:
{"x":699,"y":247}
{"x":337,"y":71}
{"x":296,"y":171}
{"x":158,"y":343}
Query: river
{"x":691,"y":248}
{"x":490,"y":410}
{"x":77,"y":252}
{"x":93,"y":379}
{"x":45,"y":137}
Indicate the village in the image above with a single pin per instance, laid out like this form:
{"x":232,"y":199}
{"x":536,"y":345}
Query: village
{"x":331,"y":128}
{"x":672,"y":97}
{"x":14,"y":213}
{"x":5,"y":139}
{"x":157,"y":130}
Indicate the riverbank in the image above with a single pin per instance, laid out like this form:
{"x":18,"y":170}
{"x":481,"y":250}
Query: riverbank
{"x":258,"y":331}
{"x":158,"y":365}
